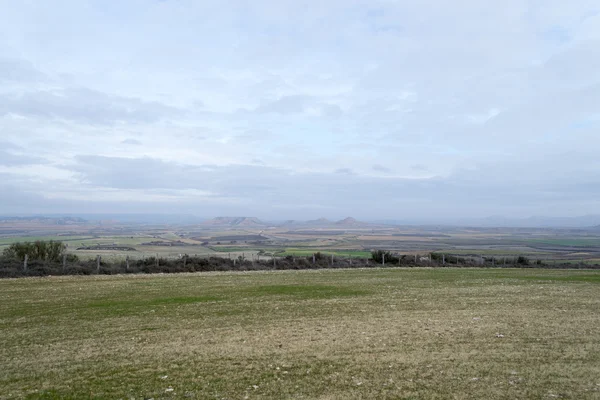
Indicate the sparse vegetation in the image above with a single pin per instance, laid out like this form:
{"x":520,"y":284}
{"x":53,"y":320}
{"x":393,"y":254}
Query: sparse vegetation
{"x":377,"y":333}
{"x":50,"y":251}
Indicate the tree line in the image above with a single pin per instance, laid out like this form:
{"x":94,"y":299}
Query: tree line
{"x":42,"y":258}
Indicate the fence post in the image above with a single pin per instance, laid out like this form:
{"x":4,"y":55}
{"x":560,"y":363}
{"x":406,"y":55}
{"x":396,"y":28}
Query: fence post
{"x":157,"y":263}
{"x":127,"y":264}
{"x":332,"y":260}
{"x":443,"y":259}
{"x":313,"y":258}
{"x":383,"y":259}
{"x":274,"y":262}
{"x":64,"y":265}
{"x":415,"y":258}
{"x":98,"y":260}
{"x":25,"y":262}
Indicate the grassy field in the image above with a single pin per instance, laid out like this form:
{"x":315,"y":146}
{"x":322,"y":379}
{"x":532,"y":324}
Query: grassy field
{"x":378,"y":333}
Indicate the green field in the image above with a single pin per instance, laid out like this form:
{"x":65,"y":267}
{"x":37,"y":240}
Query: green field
{"x":329,"y":334}
{"x":568,"y":242}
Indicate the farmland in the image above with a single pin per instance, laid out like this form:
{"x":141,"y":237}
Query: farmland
{"x":335,"y":334}
{"x":114,"y":241}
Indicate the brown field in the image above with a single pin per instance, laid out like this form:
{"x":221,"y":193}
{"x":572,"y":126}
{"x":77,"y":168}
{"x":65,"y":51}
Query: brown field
{"x":370,"y":334}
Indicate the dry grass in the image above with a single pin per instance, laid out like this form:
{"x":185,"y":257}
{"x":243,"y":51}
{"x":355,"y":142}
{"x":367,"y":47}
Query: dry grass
{"x":401,"y":333}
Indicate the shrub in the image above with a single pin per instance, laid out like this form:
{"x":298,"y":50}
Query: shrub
{"x":522,"y":260}
{"x":378,"y":257}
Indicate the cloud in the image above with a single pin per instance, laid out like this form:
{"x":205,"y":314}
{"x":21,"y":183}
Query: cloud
{"x":83,"y":105}
{"x":380,"y":168}
{"x":133,"y":142}
{"x":441,"y":105}
{"x":9,"y":159}
{"x":18,"y":71}
{"x":286,"y":105}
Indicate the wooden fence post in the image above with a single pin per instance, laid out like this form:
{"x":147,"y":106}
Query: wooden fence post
{"x":332,"y":260}
{"x":127,"y":264}
{"x":25,"y":262}
{"x":274,"y":262}
{"x":443,"y":259}
{"x":383,"y":259}
{"x":98,"y":260}
{"x":313,"y":258}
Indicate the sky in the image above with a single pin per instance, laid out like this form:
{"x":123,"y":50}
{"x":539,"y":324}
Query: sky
{"x":280,"y":109}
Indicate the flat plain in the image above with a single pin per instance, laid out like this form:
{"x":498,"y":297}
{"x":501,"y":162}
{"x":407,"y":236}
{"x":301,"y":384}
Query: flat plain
{"x":328,"y":334}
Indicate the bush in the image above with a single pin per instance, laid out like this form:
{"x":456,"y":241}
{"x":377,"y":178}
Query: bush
{"x":39,"y":250}
{"x":378,"y":257}
{"x":522,"y":260}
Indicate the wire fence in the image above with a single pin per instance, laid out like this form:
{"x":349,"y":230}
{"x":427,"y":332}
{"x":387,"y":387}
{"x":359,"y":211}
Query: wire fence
{"x":69,"y":265}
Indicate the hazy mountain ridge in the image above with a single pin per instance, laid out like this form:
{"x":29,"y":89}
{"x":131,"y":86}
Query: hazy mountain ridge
{"x":588,"y":222}
{"x":235,"y":221}
{"x":41,"y":220}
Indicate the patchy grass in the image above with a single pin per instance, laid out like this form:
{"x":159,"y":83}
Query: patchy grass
{"x":328,"y":334}
{"x":306,"y":291}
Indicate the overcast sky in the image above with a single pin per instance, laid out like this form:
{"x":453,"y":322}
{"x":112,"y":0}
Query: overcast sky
{"x":290,"y":109}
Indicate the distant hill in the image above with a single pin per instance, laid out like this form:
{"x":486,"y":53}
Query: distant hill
{"x":43,"y":220}
{"x":584,"y":221}
{"x":350,"y":222}
{"x":319,"y":222}
{"x":234,"y":221}
{"x":291,"y":222}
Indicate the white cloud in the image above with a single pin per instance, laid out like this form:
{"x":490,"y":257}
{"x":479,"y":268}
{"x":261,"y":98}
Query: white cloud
{"x":440,"y":93}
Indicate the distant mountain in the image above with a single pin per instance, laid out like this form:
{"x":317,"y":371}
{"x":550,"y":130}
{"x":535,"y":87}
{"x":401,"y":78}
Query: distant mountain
{"x":291,"y":222}
{"x":319,"y":222}
{"x":234,"y":221}
{"x":584,"y":221}
{"x":350,"y":222}
{"x":43,"y":220}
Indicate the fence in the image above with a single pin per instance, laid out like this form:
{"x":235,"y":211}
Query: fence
{"x":185,"y":263}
